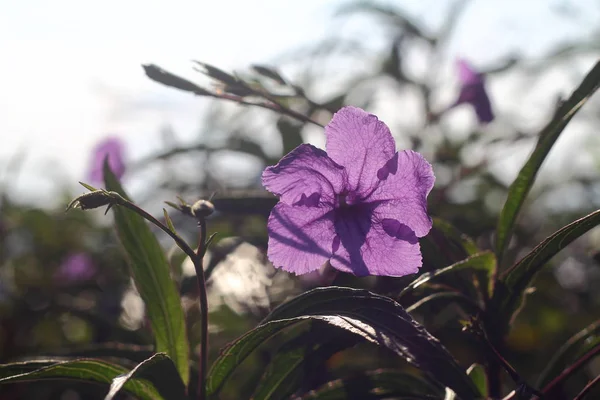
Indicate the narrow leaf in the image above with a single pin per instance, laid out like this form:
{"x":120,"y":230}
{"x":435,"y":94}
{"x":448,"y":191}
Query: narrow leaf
{"x":374,"y":318}
{"x":167,"y":78}
{"x":484,"y":261}
{"x":453,"y":234}
{"x":158,"y":369}
{"x":297,"y":359}
{"x":169,"y":221}
{"x":510,"y":289}
{"x":150,"y":271}
{"x":579,"y":344}
{"x":375,"y":385}
{"x":88,"y":370}
{"x":547,"y":137}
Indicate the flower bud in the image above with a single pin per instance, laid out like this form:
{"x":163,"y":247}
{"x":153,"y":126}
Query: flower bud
{"x":202,"y":209}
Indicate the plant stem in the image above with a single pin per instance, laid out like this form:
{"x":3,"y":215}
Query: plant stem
{"x":180,"y":242}
{"x":587,"y":388}
{"x":198,"y":266}
{"x":556,"y":382}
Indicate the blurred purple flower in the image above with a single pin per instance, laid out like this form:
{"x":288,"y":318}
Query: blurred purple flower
{"x":76,"y":267}
{"x":473,"y":92}
{"x":361,"y":205}
{"x":113,"y":148}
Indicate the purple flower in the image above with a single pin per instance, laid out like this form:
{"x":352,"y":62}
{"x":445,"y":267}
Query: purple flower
{"x":76,"y":267}
{"x":473,"y":92}
{"x":113,"y":148}
{"x":361,"y":205}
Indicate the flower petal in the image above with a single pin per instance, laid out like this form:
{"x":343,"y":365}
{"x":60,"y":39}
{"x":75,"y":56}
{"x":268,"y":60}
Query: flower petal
{"x":300,"y":237}
{"x":368,"y":246}
{"x":114,"y":149}
{"x":466,"y":74}
{"x":401,"y":193}
{"x":305,"y":176}
{"x":360,"y":143}
{"x":473,"y":92}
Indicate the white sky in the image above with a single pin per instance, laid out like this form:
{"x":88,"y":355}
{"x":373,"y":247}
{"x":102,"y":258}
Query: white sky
{"x":70,"y":71}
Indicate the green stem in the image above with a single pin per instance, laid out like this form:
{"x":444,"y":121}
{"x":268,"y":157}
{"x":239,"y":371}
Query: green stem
{"x":180,"y":242}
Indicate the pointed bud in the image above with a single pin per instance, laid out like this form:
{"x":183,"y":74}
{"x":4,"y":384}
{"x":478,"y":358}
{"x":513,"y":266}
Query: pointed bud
{"x":92,"y":200}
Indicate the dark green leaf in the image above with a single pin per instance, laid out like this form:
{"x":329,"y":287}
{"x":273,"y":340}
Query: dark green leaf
{"x":89,"y":370}
{"x":579,"y":344}
{"x":293,"y":363}
{"x":484,"y":261}
{"x":237,"y":351}
{"x":160,"y":75}
{"x":375,"y":318}
{"x":269,"y":73}
{"x":158,"y":369}
{"x":460,"y":239}
{"x":510,"y":289}
{"x":547,"y":137}
{"x":290,"y":132}
{"x":376,"y":385}
{"x":477,"y":373}
{"x":150,"y":271}
{"x":467,"y":304}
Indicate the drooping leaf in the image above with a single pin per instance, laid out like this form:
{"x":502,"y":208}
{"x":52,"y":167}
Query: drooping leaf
{"x":158,"y":369}
{"x":376,"y":385}
{"x":547,"y":137}
{"x":374,"y":318}
{"x":150,"y":272}
{"x":484,"y":261}
{"x":510,"y":289}
{"x":86,"y":370}
{"x":579,"y":344}
{"x":298,"y":358}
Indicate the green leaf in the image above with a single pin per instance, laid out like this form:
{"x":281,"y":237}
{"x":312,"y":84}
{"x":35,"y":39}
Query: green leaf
{"x":477,"y":374}
{"x":484,"y":261}
{"x":89,"y":370}
{"x":158,"y":369}
{"x":290,"y":132}
{"x":510,"y":289}
{"x":460,"y":239}
{"x":547,"y":137}
{"x":579,"y":344}
{"x":150,"y":271}
{"x":374,"y":318}
{"x":467,"y":304}
{"x":292,"y":362}
{"x":376,"y":385}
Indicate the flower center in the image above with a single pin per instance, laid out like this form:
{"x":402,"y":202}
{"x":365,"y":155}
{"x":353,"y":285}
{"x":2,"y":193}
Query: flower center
{"x":342,"y":200}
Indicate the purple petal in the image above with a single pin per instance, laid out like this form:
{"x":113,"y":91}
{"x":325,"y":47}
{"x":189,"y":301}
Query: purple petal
{"x":113,"y":148}
{"x":306,"y":176}
{"x":372,"y":247}
{"x":402,"y":192}
{"x":473,"y":92}
{"x":360,"y":143}
{"x":467,"y":75}
{"x":300,"y":238}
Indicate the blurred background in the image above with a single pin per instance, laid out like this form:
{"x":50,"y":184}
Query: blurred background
{"x":72,"y":78}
